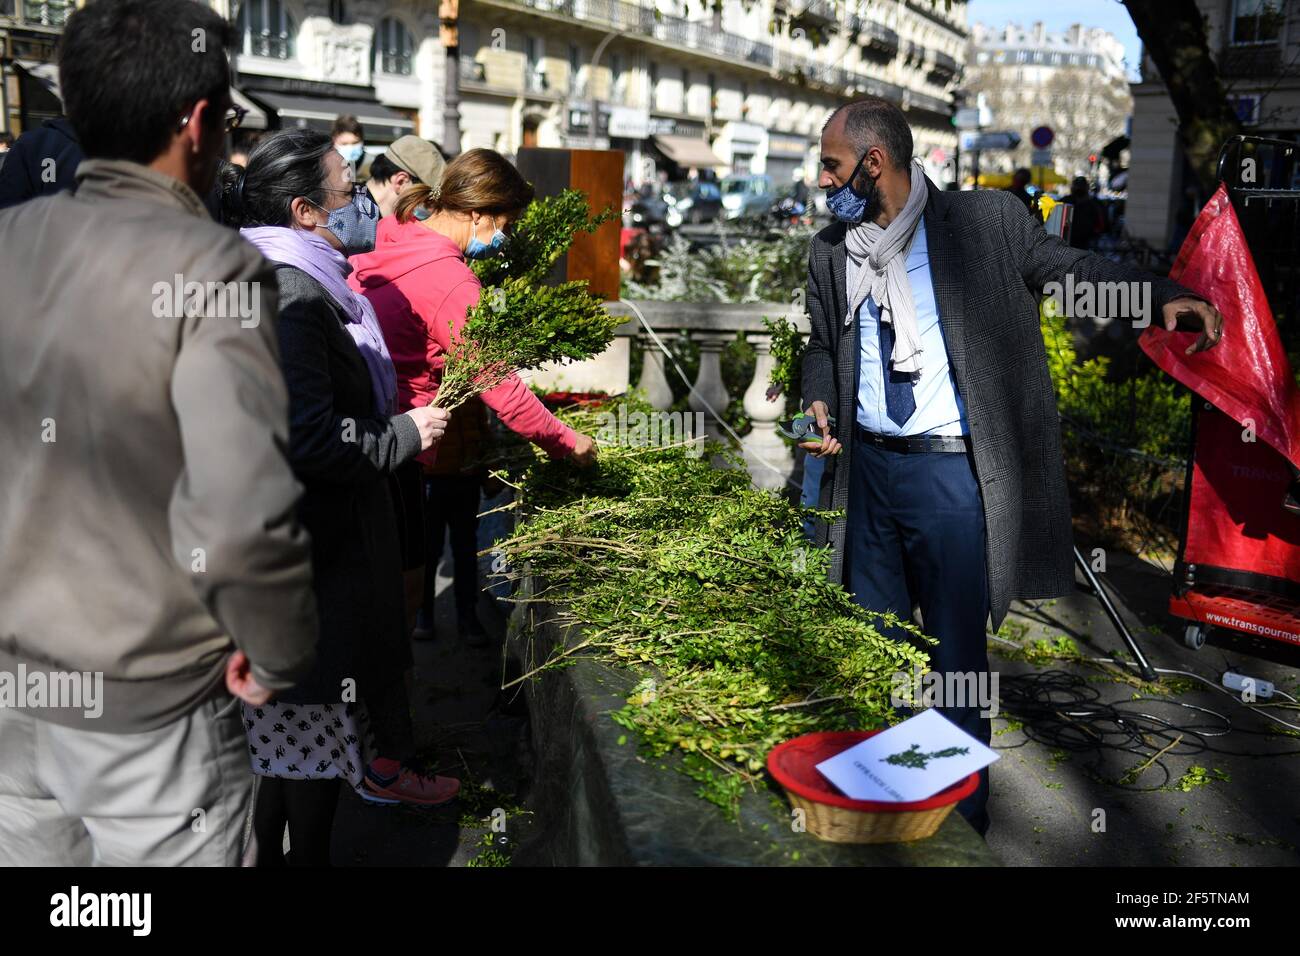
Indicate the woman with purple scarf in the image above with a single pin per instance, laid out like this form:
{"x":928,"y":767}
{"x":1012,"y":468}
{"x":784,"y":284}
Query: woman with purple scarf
{"x":350,"y":720}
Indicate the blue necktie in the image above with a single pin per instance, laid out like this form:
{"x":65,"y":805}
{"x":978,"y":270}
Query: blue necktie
{"x":900,"y":402}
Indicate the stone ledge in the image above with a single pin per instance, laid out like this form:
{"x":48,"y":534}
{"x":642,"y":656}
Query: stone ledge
{"x":601,"y":804}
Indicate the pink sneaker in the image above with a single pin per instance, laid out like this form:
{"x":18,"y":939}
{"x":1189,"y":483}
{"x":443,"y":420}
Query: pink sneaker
{"x":410,"y":787}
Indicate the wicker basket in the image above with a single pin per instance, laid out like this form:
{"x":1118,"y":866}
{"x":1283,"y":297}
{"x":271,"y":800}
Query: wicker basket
{"x":833,"y":817}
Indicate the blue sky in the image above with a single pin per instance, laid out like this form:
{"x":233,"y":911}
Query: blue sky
{"x":1110,"y":15}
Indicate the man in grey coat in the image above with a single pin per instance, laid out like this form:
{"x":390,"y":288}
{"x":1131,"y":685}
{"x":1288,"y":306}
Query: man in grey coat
{"x":151,"y":566}
{"x":927,"y":375}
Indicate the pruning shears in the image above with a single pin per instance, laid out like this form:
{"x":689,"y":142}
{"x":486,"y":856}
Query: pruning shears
{"x":803,"y":429}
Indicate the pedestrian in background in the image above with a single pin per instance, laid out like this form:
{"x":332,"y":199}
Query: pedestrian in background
{"x":349,"y":139}
{"x":1087,"y":218}
{"x":1019,"y":187}
{"x":410,"y":161}
{"x":42,"y":161}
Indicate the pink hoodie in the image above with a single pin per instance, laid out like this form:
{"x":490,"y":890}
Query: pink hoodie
{"x":422,"y":289}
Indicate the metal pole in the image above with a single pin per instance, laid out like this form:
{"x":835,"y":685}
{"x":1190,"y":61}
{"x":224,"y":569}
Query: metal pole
{"x":1148,"y":672}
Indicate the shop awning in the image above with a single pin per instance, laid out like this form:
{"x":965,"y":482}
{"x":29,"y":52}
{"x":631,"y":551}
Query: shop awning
{"x":320,"y":113}
{"x":46,"y":74}
{"x":688,"y":151}
{"x":256,"y":118}
{"x":38,"y":96}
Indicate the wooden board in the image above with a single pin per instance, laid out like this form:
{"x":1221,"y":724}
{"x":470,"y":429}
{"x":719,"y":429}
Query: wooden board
{"x":599,"y":174}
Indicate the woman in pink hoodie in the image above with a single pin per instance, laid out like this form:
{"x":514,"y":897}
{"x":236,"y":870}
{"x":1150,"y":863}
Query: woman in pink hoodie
{"x":421,"y":287}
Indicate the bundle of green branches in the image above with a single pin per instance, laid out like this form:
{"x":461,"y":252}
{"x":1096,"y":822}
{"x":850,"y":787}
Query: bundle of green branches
{"x":708,"y":586}
{"x":521,"y":322}
{"x":787,"y":352}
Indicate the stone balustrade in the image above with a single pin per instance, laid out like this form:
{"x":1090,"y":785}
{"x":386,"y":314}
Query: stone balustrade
{"x":712,"y":325}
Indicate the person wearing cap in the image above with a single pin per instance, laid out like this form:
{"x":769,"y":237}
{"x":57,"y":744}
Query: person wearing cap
{"x":408,"y":160}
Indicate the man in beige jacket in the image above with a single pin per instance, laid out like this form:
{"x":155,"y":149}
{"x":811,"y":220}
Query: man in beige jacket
{"x":152,"y":571}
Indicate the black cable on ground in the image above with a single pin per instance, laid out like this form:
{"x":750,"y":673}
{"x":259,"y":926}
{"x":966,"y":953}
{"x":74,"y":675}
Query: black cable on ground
{"x":1065,"y":712}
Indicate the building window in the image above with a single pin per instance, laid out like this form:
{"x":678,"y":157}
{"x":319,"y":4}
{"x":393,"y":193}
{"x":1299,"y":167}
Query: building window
{"x":653,"y":76}
{"x":267,"y":29}
{"x":393,"y":47}
{"x":1256,"y":21}
{"x":536,"y":76}
{"x":616,"y":76}
{"x":48,"y":13}
{"x":575,"y":68}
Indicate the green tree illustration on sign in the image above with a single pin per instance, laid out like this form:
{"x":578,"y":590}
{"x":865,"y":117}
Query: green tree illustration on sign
{"x":912,"y":756}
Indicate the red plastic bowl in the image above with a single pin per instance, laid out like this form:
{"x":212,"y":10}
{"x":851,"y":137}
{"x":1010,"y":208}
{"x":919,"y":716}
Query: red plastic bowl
{"x":794,"y":765}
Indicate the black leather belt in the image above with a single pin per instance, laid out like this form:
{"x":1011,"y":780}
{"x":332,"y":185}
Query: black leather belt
{"x":911,"y":444}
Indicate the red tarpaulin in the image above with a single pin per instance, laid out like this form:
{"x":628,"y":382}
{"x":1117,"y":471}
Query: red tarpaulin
{"x":1235,"y":519}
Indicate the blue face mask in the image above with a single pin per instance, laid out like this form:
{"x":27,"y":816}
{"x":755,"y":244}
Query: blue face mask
{"x":846,"y":203}
{"x":352,"y":152}
{"x":477,"y":249}
{"x":354,"y":230}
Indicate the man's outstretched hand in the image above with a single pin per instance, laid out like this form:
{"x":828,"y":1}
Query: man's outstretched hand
{"x":828,"y":445}
{"x":1191,"y":315}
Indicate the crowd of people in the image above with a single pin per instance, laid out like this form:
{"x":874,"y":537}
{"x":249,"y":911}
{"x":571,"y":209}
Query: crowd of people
{"x":234,"y":523}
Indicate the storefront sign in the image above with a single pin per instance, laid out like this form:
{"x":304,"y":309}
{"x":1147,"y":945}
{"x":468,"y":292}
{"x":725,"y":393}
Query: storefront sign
{"x":629,"y":122}
{"x":669,"y":126}
{"x":787,"y":144}
{"x":746,"y":133}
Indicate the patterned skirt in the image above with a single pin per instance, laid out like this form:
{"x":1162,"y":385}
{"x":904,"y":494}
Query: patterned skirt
{"x":310,"y":741}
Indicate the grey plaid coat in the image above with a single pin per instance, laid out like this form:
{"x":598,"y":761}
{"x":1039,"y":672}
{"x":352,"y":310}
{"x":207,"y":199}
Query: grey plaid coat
{"x":989,"y":260}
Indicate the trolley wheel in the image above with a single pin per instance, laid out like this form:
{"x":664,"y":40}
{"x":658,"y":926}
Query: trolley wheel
{"x":1194,"y":636}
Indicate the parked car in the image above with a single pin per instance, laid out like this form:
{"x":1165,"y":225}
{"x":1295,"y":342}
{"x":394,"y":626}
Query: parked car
{"x":693,"y":201}
{"x":746,"y":196}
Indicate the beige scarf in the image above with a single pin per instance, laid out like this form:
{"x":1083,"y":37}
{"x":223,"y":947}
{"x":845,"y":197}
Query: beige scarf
{"x":880,"y":257}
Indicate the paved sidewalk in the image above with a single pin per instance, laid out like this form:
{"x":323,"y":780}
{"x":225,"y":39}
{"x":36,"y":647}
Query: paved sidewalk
{"x":464,"y":728}
{"x":1044,"y":802}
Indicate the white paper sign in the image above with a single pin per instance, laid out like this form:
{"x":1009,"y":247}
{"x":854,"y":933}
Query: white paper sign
{"x":913,"y":760}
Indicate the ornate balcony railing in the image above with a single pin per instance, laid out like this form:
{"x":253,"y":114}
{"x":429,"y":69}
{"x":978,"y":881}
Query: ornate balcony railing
{"x":635,"y":18}
{"x":944,"y":64}
{"x":875,"y":37}
{"x":931,"y":104}
{"x":700,"y":35}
